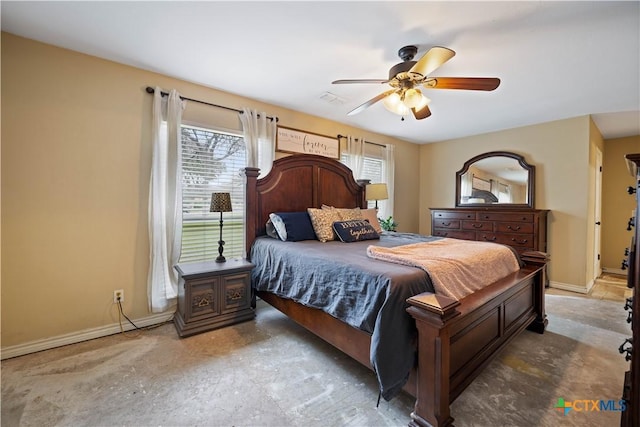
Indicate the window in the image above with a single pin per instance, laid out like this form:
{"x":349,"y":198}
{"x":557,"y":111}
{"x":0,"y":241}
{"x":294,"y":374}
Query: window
{"x":212,"y":161}
{"x":372,"y":170}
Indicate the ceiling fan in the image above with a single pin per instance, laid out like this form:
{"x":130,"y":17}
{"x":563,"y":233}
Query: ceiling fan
{"x":406,"y":77}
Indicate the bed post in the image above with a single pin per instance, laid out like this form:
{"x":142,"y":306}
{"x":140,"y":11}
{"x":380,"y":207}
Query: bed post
{"x":538,"y":259}
{"x":251,"y":207}
{"x":431,"y":313}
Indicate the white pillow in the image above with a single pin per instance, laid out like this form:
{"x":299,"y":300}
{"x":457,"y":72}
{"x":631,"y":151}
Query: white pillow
{"x":278,"y":224}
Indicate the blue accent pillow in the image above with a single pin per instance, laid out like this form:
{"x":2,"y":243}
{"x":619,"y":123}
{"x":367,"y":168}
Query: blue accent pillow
{"x":293,"y":226}
{"x":355,"y":230}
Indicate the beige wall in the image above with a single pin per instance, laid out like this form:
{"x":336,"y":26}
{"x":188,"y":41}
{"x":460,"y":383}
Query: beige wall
{"x":617,"y":204}
{"x":560,"y":152}
{"x":75,"y":172}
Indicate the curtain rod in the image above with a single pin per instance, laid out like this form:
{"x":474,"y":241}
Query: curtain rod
{"x":366,"y":142}
{"x":184,"y":98}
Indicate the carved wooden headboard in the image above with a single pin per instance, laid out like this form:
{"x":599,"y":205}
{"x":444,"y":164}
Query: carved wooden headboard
{"x":296,"y":183}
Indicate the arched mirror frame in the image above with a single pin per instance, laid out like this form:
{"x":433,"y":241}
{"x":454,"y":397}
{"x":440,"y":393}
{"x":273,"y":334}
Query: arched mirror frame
{"x":531,"y":182}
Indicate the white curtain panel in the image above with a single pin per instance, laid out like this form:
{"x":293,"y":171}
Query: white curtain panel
{"x":260,"y":139}
{"x":355,"y":156}
{"x":388,"y":173}
{"x":165,"y":201}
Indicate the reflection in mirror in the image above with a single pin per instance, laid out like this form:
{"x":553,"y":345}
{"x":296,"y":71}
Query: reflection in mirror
{"x":495,"y":178}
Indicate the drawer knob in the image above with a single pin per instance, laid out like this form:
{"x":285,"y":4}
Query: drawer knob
{"x":521,"y":242}
{"x":477,"y":225}
{"x":492,"y":239}
{"x":625,"y":264}
{"x":516,"y":228}
{"x":446,"y":224}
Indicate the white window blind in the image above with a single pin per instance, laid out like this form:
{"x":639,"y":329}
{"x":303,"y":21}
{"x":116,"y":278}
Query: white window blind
{"x":212,"y":161}
{"x":372,"y":170}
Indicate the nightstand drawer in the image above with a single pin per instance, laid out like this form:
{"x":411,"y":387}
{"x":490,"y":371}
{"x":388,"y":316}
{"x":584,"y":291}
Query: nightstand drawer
{"x":204,"y":301}
{"x":235,"y":292}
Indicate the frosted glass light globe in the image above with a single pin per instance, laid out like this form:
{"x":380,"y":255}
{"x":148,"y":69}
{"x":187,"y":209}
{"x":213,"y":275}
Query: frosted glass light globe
{"x":412,"y":98}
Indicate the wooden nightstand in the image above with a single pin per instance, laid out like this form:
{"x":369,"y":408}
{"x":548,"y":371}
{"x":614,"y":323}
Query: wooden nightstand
{"x":212,"y":295}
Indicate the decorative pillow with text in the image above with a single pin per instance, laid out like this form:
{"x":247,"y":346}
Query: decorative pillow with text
{"x":355,"y":230}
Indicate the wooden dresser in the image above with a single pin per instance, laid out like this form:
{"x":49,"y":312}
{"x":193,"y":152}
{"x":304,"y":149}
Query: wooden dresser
{"x":631,"y":346}
{"x":522,"y":229}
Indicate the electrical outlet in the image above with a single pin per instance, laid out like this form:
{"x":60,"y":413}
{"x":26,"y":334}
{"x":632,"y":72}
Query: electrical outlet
{"x":118,"y":296}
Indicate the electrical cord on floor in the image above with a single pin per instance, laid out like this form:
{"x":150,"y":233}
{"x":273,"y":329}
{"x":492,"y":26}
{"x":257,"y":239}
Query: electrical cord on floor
{"x":148,"y":328}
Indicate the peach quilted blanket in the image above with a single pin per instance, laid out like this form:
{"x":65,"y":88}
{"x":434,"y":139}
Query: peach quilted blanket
{"x":457,"y":267}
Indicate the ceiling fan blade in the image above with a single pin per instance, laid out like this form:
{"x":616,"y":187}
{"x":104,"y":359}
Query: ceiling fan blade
{"x":370,"y":102}
{"x":468,"y":83}
{"x":435,"y":57}
{"x":347,"y":81}
{"x":422,"y":113}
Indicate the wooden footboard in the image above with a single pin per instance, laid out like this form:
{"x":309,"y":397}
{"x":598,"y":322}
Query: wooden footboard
{"x":457,"y":339}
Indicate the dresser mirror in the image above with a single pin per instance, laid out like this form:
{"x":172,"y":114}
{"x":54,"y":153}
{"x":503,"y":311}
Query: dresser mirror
{"x":497,"y":178}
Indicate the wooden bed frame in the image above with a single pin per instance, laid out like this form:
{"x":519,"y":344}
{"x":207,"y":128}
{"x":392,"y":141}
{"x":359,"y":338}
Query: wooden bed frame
{"x":456,"y":339}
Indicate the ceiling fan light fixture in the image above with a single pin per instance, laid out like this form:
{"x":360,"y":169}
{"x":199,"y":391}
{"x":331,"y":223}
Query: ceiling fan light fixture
{"x":423,"y":103}
{"x":394,"y":104}
{"x":412,"y":98}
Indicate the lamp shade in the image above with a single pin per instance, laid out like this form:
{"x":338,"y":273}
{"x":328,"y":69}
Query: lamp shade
{"x":377,"y":192}
{"x":220,"y":202}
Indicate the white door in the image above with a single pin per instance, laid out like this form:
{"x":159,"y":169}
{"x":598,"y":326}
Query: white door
{"x":597,"y":270}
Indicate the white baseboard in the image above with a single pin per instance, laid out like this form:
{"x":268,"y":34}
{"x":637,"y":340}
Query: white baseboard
{"x":615,"y":271}
{"x":76,"y":337}
{"x":572,"y":288}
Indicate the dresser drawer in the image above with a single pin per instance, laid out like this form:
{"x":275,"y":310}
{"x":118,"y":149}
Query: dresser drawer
{"x":506,"y":216}
{"x":454,"y":234}
{"x":516,"y":240}
{"x":514,"y":227}
{"x":477,"y":225}
{"x":447,"y":223}
{"x":453,"y":215}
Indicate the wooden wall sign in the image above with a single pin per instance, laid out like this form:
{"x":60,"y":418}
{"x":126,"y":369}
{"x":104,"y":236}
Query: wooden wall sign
{"x":296,"y":141}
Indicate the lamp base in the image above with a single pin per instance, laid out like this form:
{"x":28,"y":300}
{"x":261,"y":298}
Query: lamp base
{"x":221,"y":259}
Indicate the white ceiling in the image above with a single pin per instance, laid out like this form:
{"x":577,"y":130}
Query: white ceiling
{"x":556,"y":60}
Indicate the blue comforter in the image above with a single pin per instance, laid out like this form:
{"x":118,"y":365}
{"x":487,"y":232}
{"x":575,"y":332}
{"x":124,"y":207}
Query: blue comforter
{"x":341,"y":280}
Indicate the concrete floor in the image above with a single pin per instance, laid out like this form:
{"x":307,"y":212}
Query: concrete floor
{"x":271,"y":372}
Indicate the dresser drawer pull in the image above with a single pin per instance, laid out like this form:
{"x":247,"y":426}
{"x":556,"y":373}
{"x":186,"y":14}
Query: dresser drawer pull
{"x":477,"y":225}
{"x":520,"y":242}
{"x":446,"y":224}
{"x":493,"y":239}
{"x":469,"y":216}
{"x":516,"y":228}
